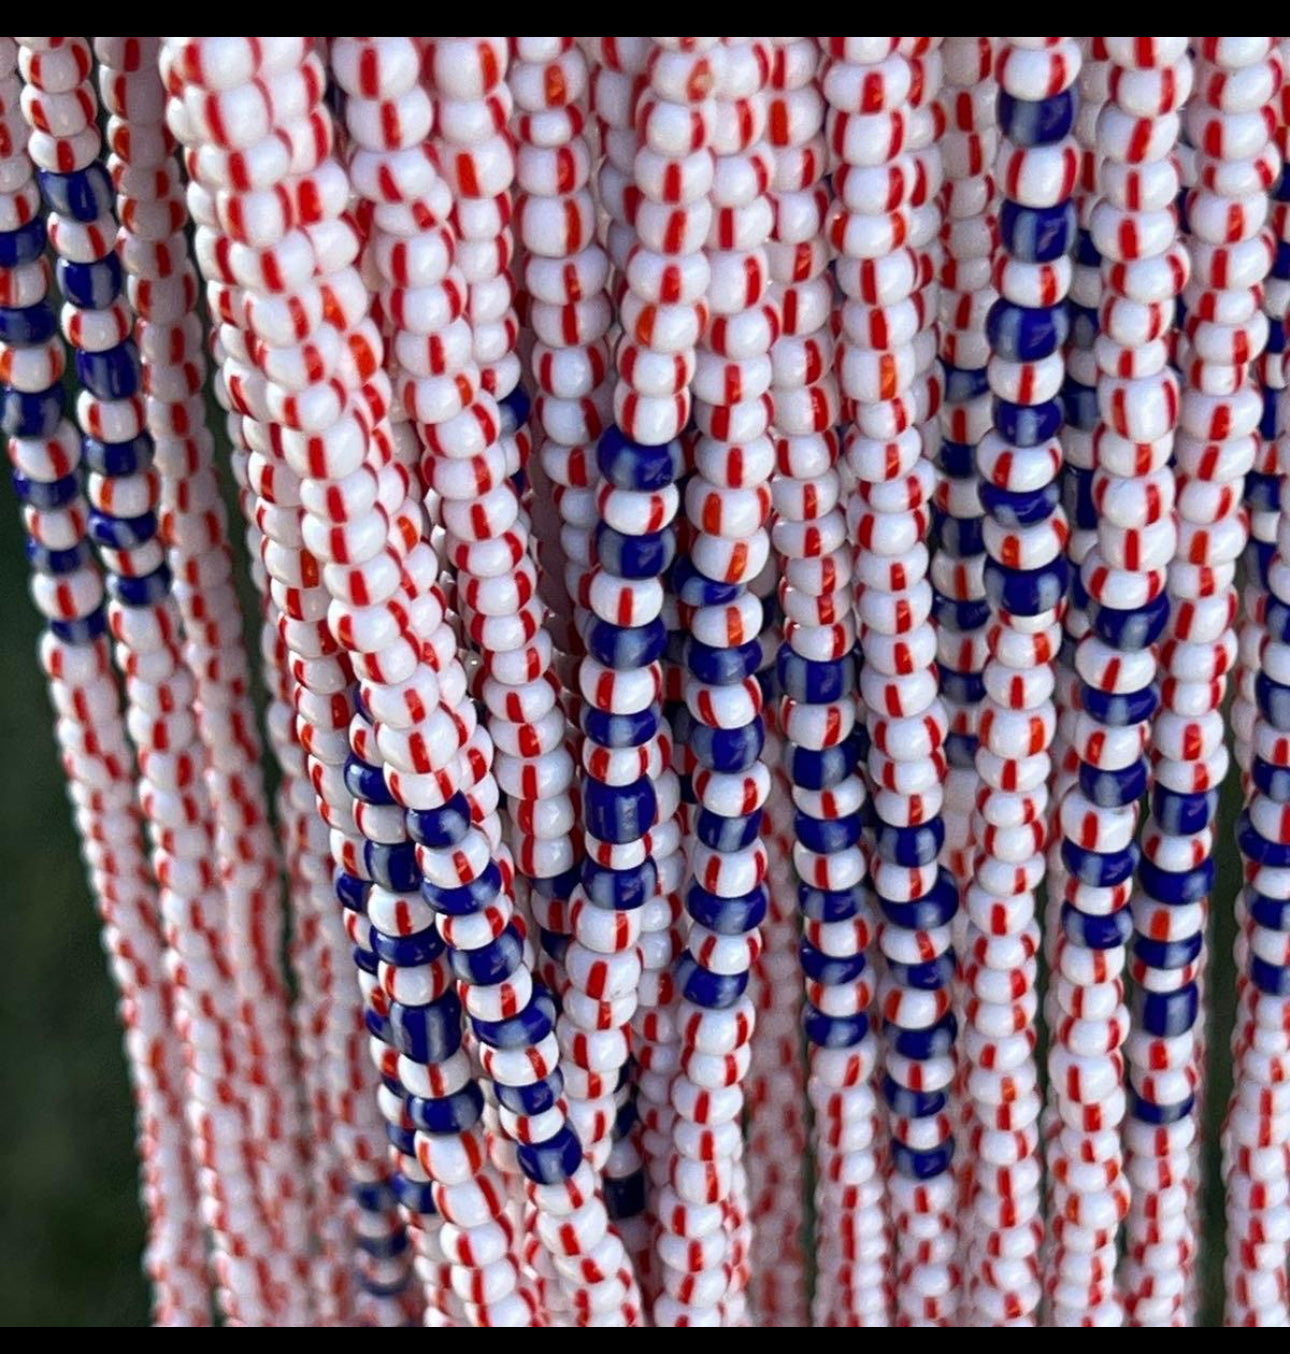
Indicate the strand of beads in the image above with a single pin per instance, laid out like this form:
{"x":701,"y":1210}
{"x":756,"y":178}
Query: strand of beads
{"x":968,"y":148}
{"x":904,"y":717}
{"x":163,"y":289}
{"x":865,"y":86}
{"x":515,"y":649}
{"x":266,"y":256}
{"x":564,"y":275}
{"x":1026,"y":575}
{"x":1132,"y":229}
{"x":1255,"y":1173}
{"x":806,"y":491}
{"x":727,"y":503}
{"x":1220,"y":413}
{"x":67,"y":589}
{"x":256,"y":1270}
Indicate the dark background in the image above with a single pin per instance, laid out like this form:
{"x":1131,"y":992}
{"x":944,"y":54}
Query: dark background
{"x":71,"y":1232}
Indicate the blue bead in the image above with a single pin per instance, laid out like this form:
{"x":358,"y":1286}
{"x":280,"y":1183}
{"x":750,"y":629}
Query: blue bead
{"x":366,"y":960}
{"x":957,"y":459}
{"x":696,"y":589}
{"x":351,"y":891}
{"x":1276,"y":619}
{"x":1165,"y":1014}
{"x":81,"y":630}
{"x":469,"y":898}
{"x":722,"y":667}
{"x":960,"y":750}
{"x":1086,"y":251}
{"x":549,"y":1162}
{"x":118,"y":458}
{"x":1113,"y":789}
{"x":961,"y":536}
{"x":632,"y":465}
{"x":1271,"y":913}
{"x":415,"y":1195}
{"x":911,"y":846}
{"x":383,"y":1247}
{"x":935,"y":1041}
{"x":146,"y":590}
{"x":1025,"y":333}
{"x":716,"y":991}
{"x":1084,"y":327}
{"x":963,"y":688}
{"x":824,"y":836}
{"x":960,"y":616}
{"x":930,"y":976}
{"x":559,"y":885}
{"x":625,"y":648}
{"x":813,"y":681}
{"x":366,"y":782}
{"x":831,"y":970}
{"x":922,"y":1165}
{"x":1037,"y":234}
{"x":491,"y":963}
{"x":536,"y":1098}
{"x":625,"y":556}
{"x":1181,"y":815}
{"x":121,"y":533}
{"x":47,"y":561}
{"x":1097,"y":868}
{"x":1077,"y":497}
{"x":401,"y":1139}
{"x":90,"y":286}
{"x":821,"y":769}
{"x":1273,"y":979}
{"x":372,"y":1196}
{"x":47,"y":494}
{"x":422,"y":947}
{"x":1027,"y":425}
{"x":1021,"y":510}
{"x":113,"y":374}
{"x":1273,"y":700}
{"x":453,"y":1114}
{"x":619,"y":813}
{"x":728,"y":750}
{"x":1027,"y":592}
{"x":1038,"y":122}
{"x":726,"y":916}
{"x":1130,"y":629}
{"x":620,"y":731}
{"x":1258,"y":559}
{"x":727,"y":834}
{"x":830,"y":904}
{"x":1119,"y":710}
{"x":625,"y":1196}
{"x":1160,"y":1114}
{"x":1096,"y":932}
{"x":393,"y":867}
{"x":23,"y":245}
{"x":442,"y":828}
{"x":833,"y":1031}
{"x":1168,"y":954}
{"x":84,"y":195}
{"x":529,"y":1027}
{"x":620,"y":890}
{"x":964,"y":384}
{"x":30,"y":413}
{"x":515,"y":409}
{"x":912,"y":1104}
{"x":1170,"y":886}
{"x":1263,"y":492}
{"x":428,"y":1034}
{"x":935,"y":908}
{"x":26,"y":326}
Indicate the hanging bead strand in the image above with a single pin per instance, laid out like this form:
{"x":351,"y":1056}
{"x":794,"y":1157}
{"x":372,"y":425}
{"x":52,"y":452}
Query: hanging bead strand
{"x":68,"y":591}
{"x":144,"y":621}
{"x":1026,"y":575}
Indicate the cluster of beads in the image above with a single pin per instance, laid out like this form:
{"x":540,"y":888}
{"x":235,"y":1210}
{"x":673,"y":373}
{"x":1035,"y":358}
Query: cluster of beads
{"x":893,"y":562}
{"x":47,"y":459}
{"x":1025,"y":576}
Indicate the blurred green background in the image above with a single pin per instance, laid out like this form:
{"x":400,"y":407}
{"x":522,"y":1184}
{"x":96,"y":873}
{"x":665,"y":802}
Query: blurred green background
{"x":71,"y":1233}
